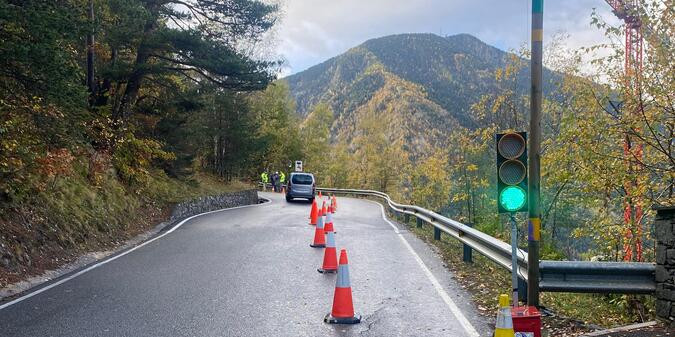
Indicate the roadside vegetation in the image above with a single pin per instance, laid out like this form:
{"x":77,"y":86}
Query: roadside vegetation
{"x":111,"y":111}
{"x":565,"y":314}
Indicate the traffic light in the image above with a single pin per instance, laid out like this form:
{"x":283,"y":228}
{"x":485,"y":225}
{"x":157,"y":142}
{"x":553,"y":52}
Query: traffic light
{"x":511,"y":172}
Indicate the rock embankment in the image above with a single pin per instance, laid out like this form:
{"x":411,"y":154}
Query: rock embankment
{"x":214,"y":202}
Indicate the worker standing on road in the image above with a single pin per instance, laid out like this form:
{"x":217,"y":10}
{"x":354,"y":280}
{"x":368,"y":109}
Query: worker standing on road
{"x":265,"y":179}
{"x":282,"y":180}
{"x":275,"y":181}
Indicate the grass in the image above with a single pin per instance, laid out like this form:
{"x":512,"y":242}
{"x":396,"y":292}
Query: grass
{"x":199,"y":184}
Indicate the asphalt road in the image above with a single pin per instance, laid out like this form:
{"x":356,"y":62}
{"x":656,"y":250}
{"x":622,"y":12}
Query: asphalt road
{"x":250,"y":272}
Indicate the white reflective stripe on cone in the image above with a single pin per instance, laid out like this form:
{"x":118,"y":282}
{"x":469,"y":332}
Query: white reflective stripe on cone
{"x":329,"y":218}
{"x":504,"y":320}
{"x":330,"y":240}
{"x":319,"y":222}
{"x":343,"y":277}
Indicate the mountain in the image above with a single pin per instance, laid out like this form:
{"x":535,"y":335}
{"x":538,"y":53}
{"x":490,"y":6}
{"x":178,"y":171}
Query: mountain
{"x":424,"y":82}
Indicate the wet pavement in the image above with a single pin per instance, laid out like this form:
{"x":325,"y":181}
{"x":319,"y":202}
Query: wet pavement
{"x":250,"y":272}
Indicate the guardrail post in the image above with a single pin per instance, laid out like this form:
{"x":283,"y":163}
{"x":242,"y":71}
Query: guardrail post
{"x":664,"y":224}
{"x":437,"y":233}
{"x":406,"y":218}
{"x":419,"y":223}
{"x":467,"y":256}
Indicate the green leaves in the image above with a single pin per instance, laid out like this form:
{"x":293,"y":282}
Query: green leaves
{"x":38,"y":49}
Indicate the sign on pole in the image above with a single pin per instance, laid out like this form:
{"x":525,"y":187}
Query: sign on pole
{"x":298,"y":166}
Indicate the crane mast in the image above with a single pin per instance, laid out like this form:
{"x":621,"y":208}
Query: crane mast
{"x":626,"y":10}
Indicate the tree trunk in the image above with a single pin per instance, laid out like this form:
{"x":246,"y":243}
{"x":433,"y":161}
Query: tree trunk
{"x":90,"y":54}
{"x":133,"y":86}
{"x":136,"y":78}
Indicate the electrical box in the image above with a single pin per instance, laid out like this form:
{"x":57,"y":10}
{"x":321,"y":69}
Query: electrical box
{"x":526,"y":321}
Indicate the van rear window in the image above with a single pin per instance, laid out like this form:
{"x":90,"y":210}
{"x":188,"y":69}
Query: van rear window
{"x":302,"y":179}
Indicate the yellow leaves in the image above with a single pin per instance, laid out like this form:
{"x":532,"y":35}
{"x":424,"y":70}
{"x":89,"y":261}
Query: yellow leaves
{"x":9,"y":144}
{"x":430,"y":181}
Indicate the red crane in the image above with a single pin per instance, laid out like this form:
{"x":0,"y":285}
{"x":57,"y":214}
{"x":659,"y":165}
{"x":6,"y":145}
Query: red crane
{"x":626,"y":10}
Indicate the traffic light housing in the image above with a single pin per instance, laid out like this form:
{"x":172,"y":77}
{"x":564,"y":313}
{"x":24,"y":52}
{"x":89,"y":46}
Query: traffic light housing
{"x":511,"y":172}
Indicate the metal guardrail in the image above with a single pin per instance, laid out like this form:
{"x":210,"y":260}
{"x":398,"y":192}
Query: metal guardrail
{"x":495,"y":250}
{"x":556,"y":276}
{"x":597,"y":277}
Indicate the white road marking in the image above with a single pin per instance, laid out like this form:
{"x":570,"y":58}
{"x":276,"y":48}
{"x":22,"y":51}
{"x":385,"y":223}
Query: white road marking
{"x":98,"y":264}
{"x":468,"y":327}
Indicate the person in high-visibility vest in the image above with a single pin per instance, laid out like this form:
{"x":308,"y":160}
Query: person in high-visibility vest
{"x":282,"y":180}
{"x":265,"y":179}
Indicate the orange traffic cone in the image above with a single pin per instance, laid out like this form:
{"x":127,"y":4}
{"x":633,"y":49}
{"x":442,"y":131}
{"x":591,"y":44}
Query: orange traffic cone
{"x":334,"y":204}
{"x":328,"y":227}
{"x":319,"y":194}
{"x":323,"y":208}
{"x":313,"y":214}
{"x":319,"y":235}
{"x":329,"y":256}
{"x":343,"y":307}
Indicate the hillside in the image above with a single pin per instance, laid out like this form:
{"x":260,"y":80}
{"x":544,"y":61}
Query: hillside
{"x":427,"y":81}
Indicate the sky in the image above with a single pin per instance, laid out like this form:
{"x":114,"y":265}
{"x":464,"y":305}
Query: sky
{"x":312,"y":31}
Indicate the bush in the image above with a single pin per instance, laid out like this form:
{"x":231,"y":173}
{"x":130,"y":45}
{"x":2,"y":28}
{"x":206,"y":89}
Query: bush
{"x":133,"y":158}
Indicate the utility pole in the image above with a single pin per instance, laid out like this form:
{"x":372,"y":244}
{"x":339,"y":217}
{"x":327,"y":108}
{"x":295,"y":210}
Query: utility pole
{"x":534,"y":224}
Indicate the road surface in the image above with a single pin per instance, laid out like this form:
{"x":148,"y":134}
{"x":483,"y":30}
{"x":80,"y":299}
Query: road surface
{"x":250,"y":272}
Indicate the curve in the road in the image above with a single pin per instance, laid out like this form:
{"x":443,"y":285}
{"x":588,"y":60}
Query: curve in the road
{"x":95,"y":265}
{"x":249,"y":272}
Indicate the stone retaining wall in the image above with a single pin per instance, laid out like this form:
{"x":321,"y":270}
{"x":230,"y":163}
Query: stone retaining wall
{"x":212,"y":203}
{"x":664,"y":229}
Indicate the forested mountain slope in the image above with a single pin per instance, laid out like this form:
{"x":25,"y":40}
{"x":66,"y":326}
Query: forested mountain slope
{"x":426,"y":81}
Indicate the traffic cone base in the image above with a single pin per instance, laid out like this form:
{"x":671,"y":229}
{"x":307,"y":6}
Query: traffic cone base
{"x":342,"y":320}
{"x":317,"y":245}
{"x":326,"y":271}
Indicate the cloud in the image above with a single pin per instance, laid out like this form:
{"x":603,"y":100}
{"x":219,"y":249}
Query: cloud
{"x":312,"y":31}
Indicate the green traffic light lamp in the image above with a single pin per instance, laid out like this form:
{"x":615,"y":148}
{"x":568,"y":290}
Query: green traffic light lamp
{"x":512,"y":198}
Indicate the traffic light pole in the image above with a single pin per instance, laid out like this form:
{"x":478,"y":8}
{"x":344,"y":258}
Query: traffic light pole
{"x":534,"y":224}
{"x":514,"y":257}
